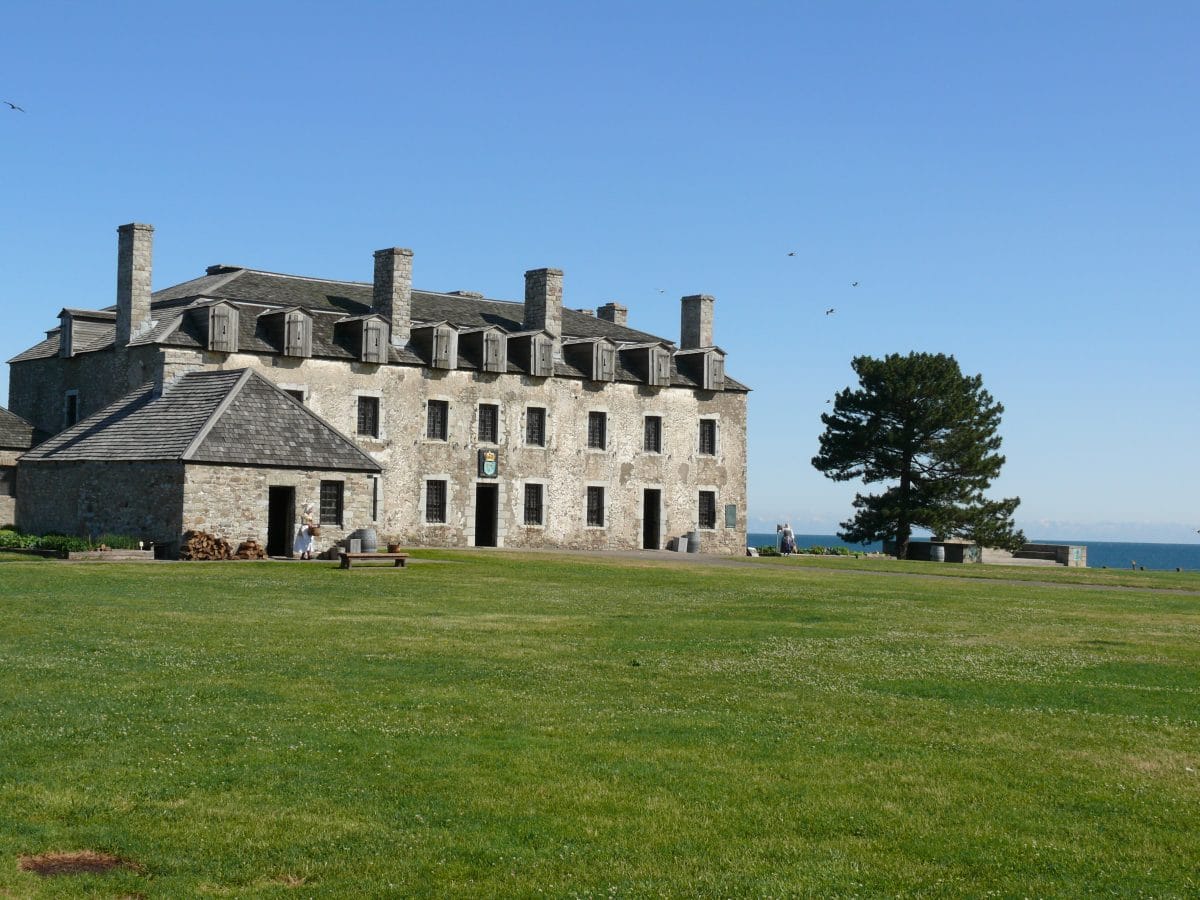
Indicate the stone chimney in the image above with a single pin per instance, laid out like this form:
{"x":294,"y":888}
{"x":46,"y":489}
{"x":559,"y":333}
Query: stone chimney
{"x":613,"y":312}
{"x":135,"y":247}
{"x":392,"y":293}
{"x":696,"y":321}
{"x":543,"y":303}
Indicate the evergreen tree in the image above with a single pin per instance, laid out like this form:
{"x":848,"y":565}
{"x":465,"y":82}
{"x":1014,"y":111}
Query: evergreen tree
{"x":920,"y":425}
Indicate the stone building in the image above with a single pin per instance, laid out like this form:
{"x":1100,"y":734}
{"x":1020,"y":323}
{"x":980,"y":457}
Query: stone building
{"x":475,"y":422}
{"x":16,"y":436}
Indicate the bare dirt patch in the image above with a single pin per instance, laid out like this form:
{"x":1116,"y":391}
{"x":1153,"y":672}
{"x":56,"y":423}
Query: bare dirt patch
{"x":75,"y":862}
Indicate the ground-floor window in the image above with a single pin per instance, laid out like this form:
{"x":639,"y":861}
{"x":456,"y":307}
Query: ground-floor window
{"x":595,"y":506}
{"x":435,"y":501}
{"x":533,"y":504}
{"x":707,"y":514}
{"x":8,"y":481}
{"x":332,"y":497}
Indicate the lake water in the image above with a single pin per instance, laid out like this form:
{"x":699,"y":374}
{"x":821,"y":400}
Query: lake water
{"x":1110,"y":554}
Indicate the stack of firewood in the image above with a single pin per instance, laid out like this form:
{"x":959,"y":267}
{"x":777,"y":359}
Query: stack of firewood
{"x":202,"y":545}
{"x":250,"y":549}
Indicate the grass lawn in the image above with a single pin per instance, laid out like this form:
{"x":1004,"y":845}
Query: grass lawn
{"x":496,"y":724}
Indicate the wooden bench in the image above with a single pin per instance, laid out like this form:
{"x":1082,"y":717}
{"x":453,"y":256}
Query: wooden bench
{"x":348,"y":559}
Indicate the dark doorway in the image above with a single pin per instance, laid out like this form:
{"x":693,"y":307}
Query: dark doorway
{"x":651,"y":519}
{"x":281,"y":520}
{"x":486,"y":506}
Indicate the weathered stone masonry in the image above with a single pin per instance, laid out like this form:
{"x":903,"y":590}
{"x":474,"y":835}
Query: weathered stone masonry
{"x":319,"y":341}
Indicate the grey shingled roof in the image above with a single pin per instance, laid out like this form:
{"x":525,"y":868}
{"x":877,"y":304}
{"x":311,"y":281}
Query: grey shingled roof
{"x":255,"y":292}
{"x":235,"y":417}
{"x":15,"y":432}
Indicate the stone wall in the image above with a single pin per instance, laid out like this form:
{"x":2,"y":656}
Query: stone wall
{"x":232,"y":502}
{"x":138,"y":499}
{"x":565,"y":465}
{"x":8,"y":484}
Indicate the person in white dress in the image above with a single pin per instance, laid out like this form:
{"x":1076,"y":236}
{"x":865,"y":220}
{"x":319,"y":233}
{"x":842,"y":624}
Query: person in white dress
{"x":304,"y":537}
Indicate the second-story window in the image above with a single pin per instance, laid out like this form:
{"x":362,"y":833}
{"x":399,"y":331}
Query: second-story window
{"x":489,"y":423}
{"x":708,"y":437}
{"x":437,"y":420}
{"x":368,"y":416}
{"x":653,"y":438}
{"x":71,"y":408}
{"x":535,"y":426}
{"x":597,"y":430}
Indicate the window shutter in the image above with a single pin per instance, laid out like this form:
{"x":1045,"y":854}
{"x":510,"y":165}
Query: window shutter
{"x":660,"y":366}
{"x":606,"y":362}
{"x":718,"y":372}
{"x":297,"y":340}
{"x":222,"y":329}
{"x":373,"y":342}
{"x":493,"y":352}
{"x":542,"y":357}
{"x":445,"y":355}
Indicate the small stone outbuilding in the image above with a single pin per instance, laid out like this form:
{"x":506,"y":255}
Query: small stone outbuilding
{"x":16,"y":437}
{"x":225,"y":452}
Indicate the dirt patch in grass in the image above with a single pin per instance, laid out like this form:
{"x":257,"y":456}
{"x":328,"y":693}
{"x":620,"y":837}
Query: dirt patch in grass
{"x":75,"y":862}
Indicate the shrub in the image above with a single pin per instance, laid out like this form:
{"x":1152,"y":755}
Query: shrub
{"x":768,"y":550}
{"x":13,"y":540}
{"x":63,"y":543}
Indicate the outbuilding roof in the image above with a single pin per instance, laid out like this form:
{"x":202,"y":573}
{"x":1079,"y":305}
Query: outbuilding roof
{"x":15,"y":432}
{"x":232,"y":417}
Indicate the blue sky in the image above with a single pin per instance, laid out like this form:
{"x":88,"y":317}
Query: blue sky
{"x":1017,"y":184}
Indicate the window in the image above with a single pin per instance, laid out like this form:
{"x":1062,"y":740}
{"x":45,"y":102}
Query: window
{"x":374,"y":498}
{"x":489,"y":423}
{"x":707,"y":516}
{"x":595,"y":507}
{"x":71,"y":408}
{"x":533,"y":504}
{"x":368,"y":416}
{"x":437,"y":420}
{"x":597,"y":430}
{"x":8,"y":481}
{"x":332,"y":493}
{"x":535,"y":426}
{"x":653,"y":440}
{"x":708,"y":437}
{"x":435,"y":501}
{"x":298,"y":394}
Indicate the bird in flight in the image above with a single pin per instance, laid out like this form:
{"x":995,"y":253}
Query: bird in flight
{"x":830,"y":311}
{"x":854,"y":284}
{"x":791,"y":253}
{"x":12,"y":105}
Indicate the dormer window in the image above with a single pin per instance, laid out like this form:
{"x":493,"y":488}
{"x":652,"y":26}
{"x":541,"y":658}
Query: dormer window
{"x":533,"y":352}
{"x":705,"y":367}
{"x":290,"y":330}
{"x":485,"y":347}
{"x":438,"y":343}
{"x":222,"y":328}
{"x":597,"y":359}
